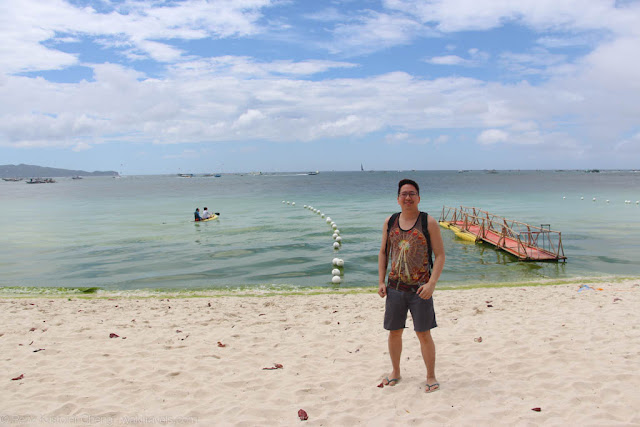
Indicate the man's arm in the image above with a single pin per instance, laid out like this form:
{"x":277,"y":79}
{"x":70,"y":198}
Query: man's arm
{"x":437,"y":246}
{"x":383,"y":261}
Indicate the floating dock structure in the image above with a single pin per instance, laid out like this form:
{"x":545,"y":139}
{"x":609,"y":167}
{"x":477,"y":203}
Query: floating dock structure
{"x":527,"y":242}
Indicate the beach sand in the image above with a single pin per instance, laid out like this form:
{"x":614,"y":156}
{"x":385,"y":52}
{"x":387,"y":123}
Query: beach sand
{"x":575,"y":354}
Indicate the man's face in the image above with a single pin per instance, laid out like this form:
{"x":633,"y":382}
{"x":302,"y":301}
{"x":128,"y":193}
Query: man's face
{"x":408,"y":196}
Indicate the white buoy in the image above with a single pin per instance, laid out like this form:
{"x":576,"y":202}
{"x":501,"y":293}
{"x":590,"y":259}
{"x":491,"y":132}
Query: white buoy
{"x":594,"y":199}
{"x":607,"y":200}
{"x":334,"y":236}
{"x":328,"y":220}
{"x":321,"y":215}
{"x":637,"y":202}
{"x":335,"y":261}
{"x":339,"y":239}
{"x":563,"y":197}
{"x":336,"y":231}
{"x":340,"y":262}
{"x":336,"y":245}
{"x":581,"y":198}
{"x":284,"y":201}
{"x":336,"y":280}
{"x":335,"y":227}
{"x":335,"y":272}
{"x":293,"y":203}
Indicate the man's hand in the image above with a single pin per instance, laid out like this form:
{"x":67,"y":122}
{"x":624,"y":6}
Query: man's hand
{"x":426,"y":291}
{"x":382,"y":290}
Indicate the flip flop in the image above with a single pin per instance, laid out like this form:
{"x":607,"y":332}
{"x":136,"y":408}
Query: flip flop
{"x":430,"y":387}
{"x":389,"y":381}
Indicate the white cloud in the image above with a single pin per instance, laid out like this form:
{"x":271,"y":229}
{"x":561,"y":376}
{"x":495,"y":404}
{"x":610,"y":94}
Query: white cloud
{"x":447,"y":60}
{"x":538,"y":61}
{"x":406,"y":138}
{"x":242,"y":66}
{"x":492,"y":136}
{"x":81,"y":146}
{"x":136,"y":25}
{"x":374,"y":31}
{"x":476,"y":58}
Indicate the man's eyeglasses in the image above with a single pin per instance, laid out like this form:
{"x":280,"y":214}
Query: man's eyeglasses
{"x":408,"y":194}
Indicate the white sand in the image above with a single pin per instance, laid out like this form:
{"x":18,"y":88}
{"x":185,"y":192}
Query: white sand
{"x":575,"y":355}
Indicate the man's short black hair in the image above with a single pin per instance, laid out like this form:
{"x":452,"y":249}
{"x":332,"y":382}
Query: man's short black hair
{"x":410,"y":182}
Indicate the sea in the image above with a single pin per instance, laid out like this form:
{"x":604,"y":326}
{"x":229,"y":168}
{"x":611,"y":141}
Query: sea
{"x":137,"y":232}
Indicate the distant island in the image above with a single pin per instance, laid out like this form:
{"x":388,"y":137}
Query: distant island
{"x":31,"y":171}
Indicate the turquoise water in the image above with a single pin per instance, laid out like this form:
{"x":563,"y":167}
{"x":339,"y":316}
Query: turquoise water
{"x":136,"y":232}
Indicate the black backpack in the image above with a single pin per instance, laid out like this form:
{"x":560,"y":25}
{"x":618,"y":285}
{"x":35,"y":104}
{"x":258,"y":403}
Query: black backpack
{"x":425,"y":230}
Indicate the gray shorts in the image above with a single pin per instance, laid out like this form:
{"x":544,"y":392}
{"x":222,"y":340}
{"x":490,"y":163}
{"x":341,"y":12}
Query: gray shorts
{"x":397,"y":305}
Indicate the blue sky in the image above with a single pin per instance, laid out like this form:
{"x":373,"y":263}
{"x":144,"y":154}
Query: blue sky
{"x":154,"y":87}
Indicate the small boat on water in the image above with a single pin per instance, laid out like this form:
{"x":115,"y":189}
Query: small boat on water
{"x":185,"y":175}
{"x":76,"y":177}
{"x":12,"y":179}
{"x":41,"y":181}
{"x":211,"y":218}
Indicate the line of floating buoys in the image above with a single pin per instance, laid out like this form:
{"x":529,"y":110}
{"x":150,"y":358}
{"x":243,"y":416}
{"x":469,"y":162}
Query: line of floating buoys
{"x":338,"y":272}
{"x":628,"y":202}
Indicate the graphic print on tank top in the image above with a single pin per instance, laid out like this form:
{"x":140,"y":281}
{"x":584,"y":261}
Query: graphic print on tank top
{"x":408,"y":253}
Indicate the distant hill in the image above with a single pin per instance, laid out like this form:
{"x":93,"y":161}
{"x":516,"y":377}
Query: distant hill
{"x":31,"y":171}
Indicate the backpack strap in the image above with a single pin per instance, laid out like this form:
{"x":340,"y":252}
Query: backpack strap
{"x":392,"y":221}
{"x":425,"y":230}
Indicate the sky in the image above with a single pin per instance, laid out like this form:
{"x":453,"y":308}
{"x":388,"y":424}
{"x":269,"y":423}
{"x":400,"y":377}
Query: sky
{"x":196,"y":86}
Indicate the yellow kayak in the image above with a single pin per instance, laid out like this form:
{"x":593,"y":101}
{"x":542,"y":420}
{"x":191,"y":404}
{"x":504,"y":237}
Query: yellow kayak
{"x":465,"y":235}
{"x":444,"y":224}
{"x":211,"y":218}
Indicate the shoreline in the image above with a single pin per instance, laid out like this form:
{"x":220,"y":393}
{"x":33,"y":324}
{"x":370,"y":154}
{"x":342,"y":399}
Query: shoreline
{"x":7,"y":292}
{"x":569,"y":349}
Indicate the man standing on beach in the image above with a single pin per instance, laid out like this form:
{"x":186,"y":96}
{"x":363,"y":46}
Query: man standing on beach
{"x":409,"y":244}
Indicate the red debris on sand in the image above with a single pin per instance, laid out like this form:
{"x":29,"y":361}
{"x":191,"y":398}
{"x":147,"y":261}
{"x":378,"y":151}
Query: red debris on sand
{"x":536,"y":409}
{"x":479,"y":339}
{"x":209,"y":305}
{"x":617,"y":299}
{"x":40,"y":349}
{"x":112,"y":335}
{"x":302,"y":414}
{"x":32,"y":329}
{"x":18,"y":378}
{"x":178,"y":330}
{"x":489,"y":305}
{"x":276,"y":366}
{"x":221,"y":345}
{"x":381,"y":385}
